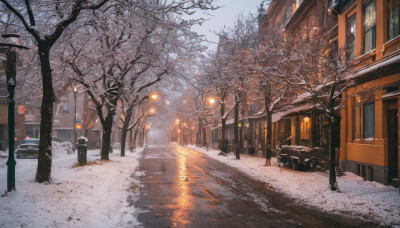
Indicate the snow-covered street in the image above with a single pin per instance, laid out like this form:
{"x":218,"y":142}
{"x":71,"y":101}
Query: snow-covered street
{"x":357,"y":198}
{"x":91,"y":196}
{"x":101,"y":194}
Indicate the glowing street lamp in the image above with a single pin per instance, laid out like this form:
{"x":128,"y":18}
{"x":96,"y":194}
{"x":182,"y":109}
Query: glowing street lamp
{"x":211,"y":101}
{"x":154,"y":96}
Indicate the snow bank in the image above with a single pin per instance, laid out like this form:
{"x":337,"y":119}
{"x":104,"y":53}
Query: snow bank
{"x":90,"y":196}
{"x":366,"y":200}
{"x":3,"y":154}
{"x":60,"y":150}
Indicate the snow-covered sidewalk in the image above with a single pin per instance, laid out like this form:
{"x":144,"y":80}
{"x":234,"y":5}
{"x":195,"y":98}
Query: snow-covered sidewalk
{"x":366,"y":200}
{"x":90,"y":196}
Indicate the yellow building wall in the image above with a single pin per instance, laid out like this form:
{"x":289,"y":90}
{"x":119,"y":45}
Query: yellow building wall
{"x":366,"y":153}
{"x":371,"y":152}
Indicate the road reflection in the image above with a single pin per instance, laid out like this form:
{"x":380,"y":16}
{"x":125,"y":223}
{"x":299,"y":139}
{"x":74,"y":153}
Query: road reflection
{"x":184,"y":203}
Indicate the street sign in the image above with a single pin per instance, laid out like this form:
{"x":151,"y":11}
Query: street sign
{"x":21,"y":109}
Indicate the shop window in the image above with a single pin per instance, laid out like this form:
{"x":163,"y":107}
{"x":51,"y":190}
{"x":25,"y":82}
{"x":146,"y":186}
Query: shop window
{"x":369,"y":120}
{"x":351,"y":37}
{"x":305,"y":128}
{"x":65,"y":106}
{"x":357,"y":117}
{"x":393,"y":12}
{"x":369,"y":26}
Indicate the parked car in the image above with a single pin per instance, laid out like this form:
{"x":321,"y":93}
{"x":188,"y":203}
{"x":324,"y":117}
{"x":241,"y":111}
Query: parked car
{"x":29,"y":148}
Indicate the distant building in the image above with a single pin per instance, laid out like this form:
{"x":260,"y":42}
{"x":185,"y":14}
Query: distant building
{"x":87,"y":123}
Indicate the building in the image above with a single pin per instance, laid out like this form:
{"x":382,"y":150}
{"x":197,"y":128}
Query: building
{"x":369,"y":125}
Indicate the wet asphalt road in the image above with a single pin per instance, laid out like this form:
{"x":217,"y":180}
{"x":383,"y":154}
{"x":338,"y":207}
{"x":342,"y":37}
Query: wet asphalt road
{"x":184,"y":188}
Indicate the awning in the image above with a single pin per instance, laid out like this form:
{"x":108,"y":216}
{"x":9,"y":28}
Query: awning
{"x":278,"y":115}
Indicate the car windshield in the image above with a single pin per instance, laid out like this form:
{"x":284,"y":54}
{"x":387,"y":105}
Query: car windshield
{"x":30,"y":141}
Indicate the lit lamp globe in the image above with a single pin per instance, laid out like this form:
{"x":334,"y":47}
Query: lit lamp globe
{"x":211,"y":101}
{"x":154,"y":96}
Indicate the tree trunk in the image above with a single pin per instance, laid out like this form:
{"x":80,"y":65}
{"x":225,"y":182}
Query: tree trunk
{"x":125,"y":129}
{"x":135,"y":135}
{"x":199,"y":134}
{"x":236,"y":127}
{"x":205,"y":137}
{"x":269,"y":138}
{"x":107,"y":130}
{"x":332,"y":156}
{"x":223,"y":129}
{"x":268,"y":156}
{"x":130,"y":140}
{"x":43,"y":172}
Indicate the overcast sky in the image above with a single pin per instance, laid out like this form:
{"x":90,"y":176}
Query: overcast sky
{"x":225,"y":16}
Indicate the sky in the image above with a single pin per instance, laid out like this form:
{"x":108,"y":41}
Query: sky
{"x":225,"y":17}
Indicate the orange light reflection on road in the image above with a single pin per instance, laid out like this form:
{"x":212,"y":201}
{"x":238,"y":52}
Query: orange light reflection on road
{"x":184,"y":204}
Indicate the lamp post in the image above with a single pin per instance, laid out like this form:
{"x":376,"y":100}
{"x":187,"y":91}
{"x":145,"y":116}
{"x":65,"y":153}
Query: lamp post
{"x":74,"y":140}
{"x":11,"y":84}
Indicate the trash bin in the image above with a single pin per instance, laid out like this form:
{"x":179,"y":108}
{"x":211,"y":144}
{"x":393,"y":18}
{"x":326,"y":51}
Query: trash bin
{"x":82,"y":151}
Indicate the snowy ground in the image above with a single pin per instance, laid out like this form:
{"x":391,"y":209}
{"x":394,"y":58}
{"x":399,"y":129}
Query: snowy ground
{"x":371,"y":201}
{"x":91,"y":196}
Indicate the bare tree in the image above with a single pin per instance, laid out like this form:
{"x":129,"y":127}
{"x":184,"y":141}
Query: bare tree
{"x":242,"y":38}
{"x":322,"y":72}
{"x":214,"y":67}
{"x":125,"y":54}
{"x":266,"y":73}
{"x":46,"y":23}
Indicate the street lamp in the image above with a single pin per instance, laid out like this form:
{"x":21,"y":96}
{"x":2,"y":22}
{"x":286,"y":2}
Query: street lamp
{"x":75,"y":90}
{"x":154,"y":96}
{"x":11,"y":84}
{"x":211,"y":101}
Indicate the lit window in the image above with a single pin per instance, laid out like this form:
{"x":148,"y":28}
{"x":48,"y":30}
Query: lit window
{"x":305,"y":128}
{"x":369,"y":26}
{"x":351,"y":37}
{"x":393,"y":12}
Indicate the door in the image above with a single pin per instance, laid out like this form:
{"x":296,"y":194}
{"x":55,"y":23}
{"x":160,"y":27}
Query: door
{"x":392,"y":143}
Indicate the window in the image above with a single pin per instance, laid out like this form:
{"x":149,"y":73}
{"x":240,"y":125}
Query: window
{"x":65,"y":106}
{"x":298,"y":2}
{"x":369,"y":121}
{"x":393,"y":12}
{"x":364,"y":117}
{"x":305,"y":128}
{"x":369,"y":26}
{"x":357,"y":117}
{"x":351,"y":37}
